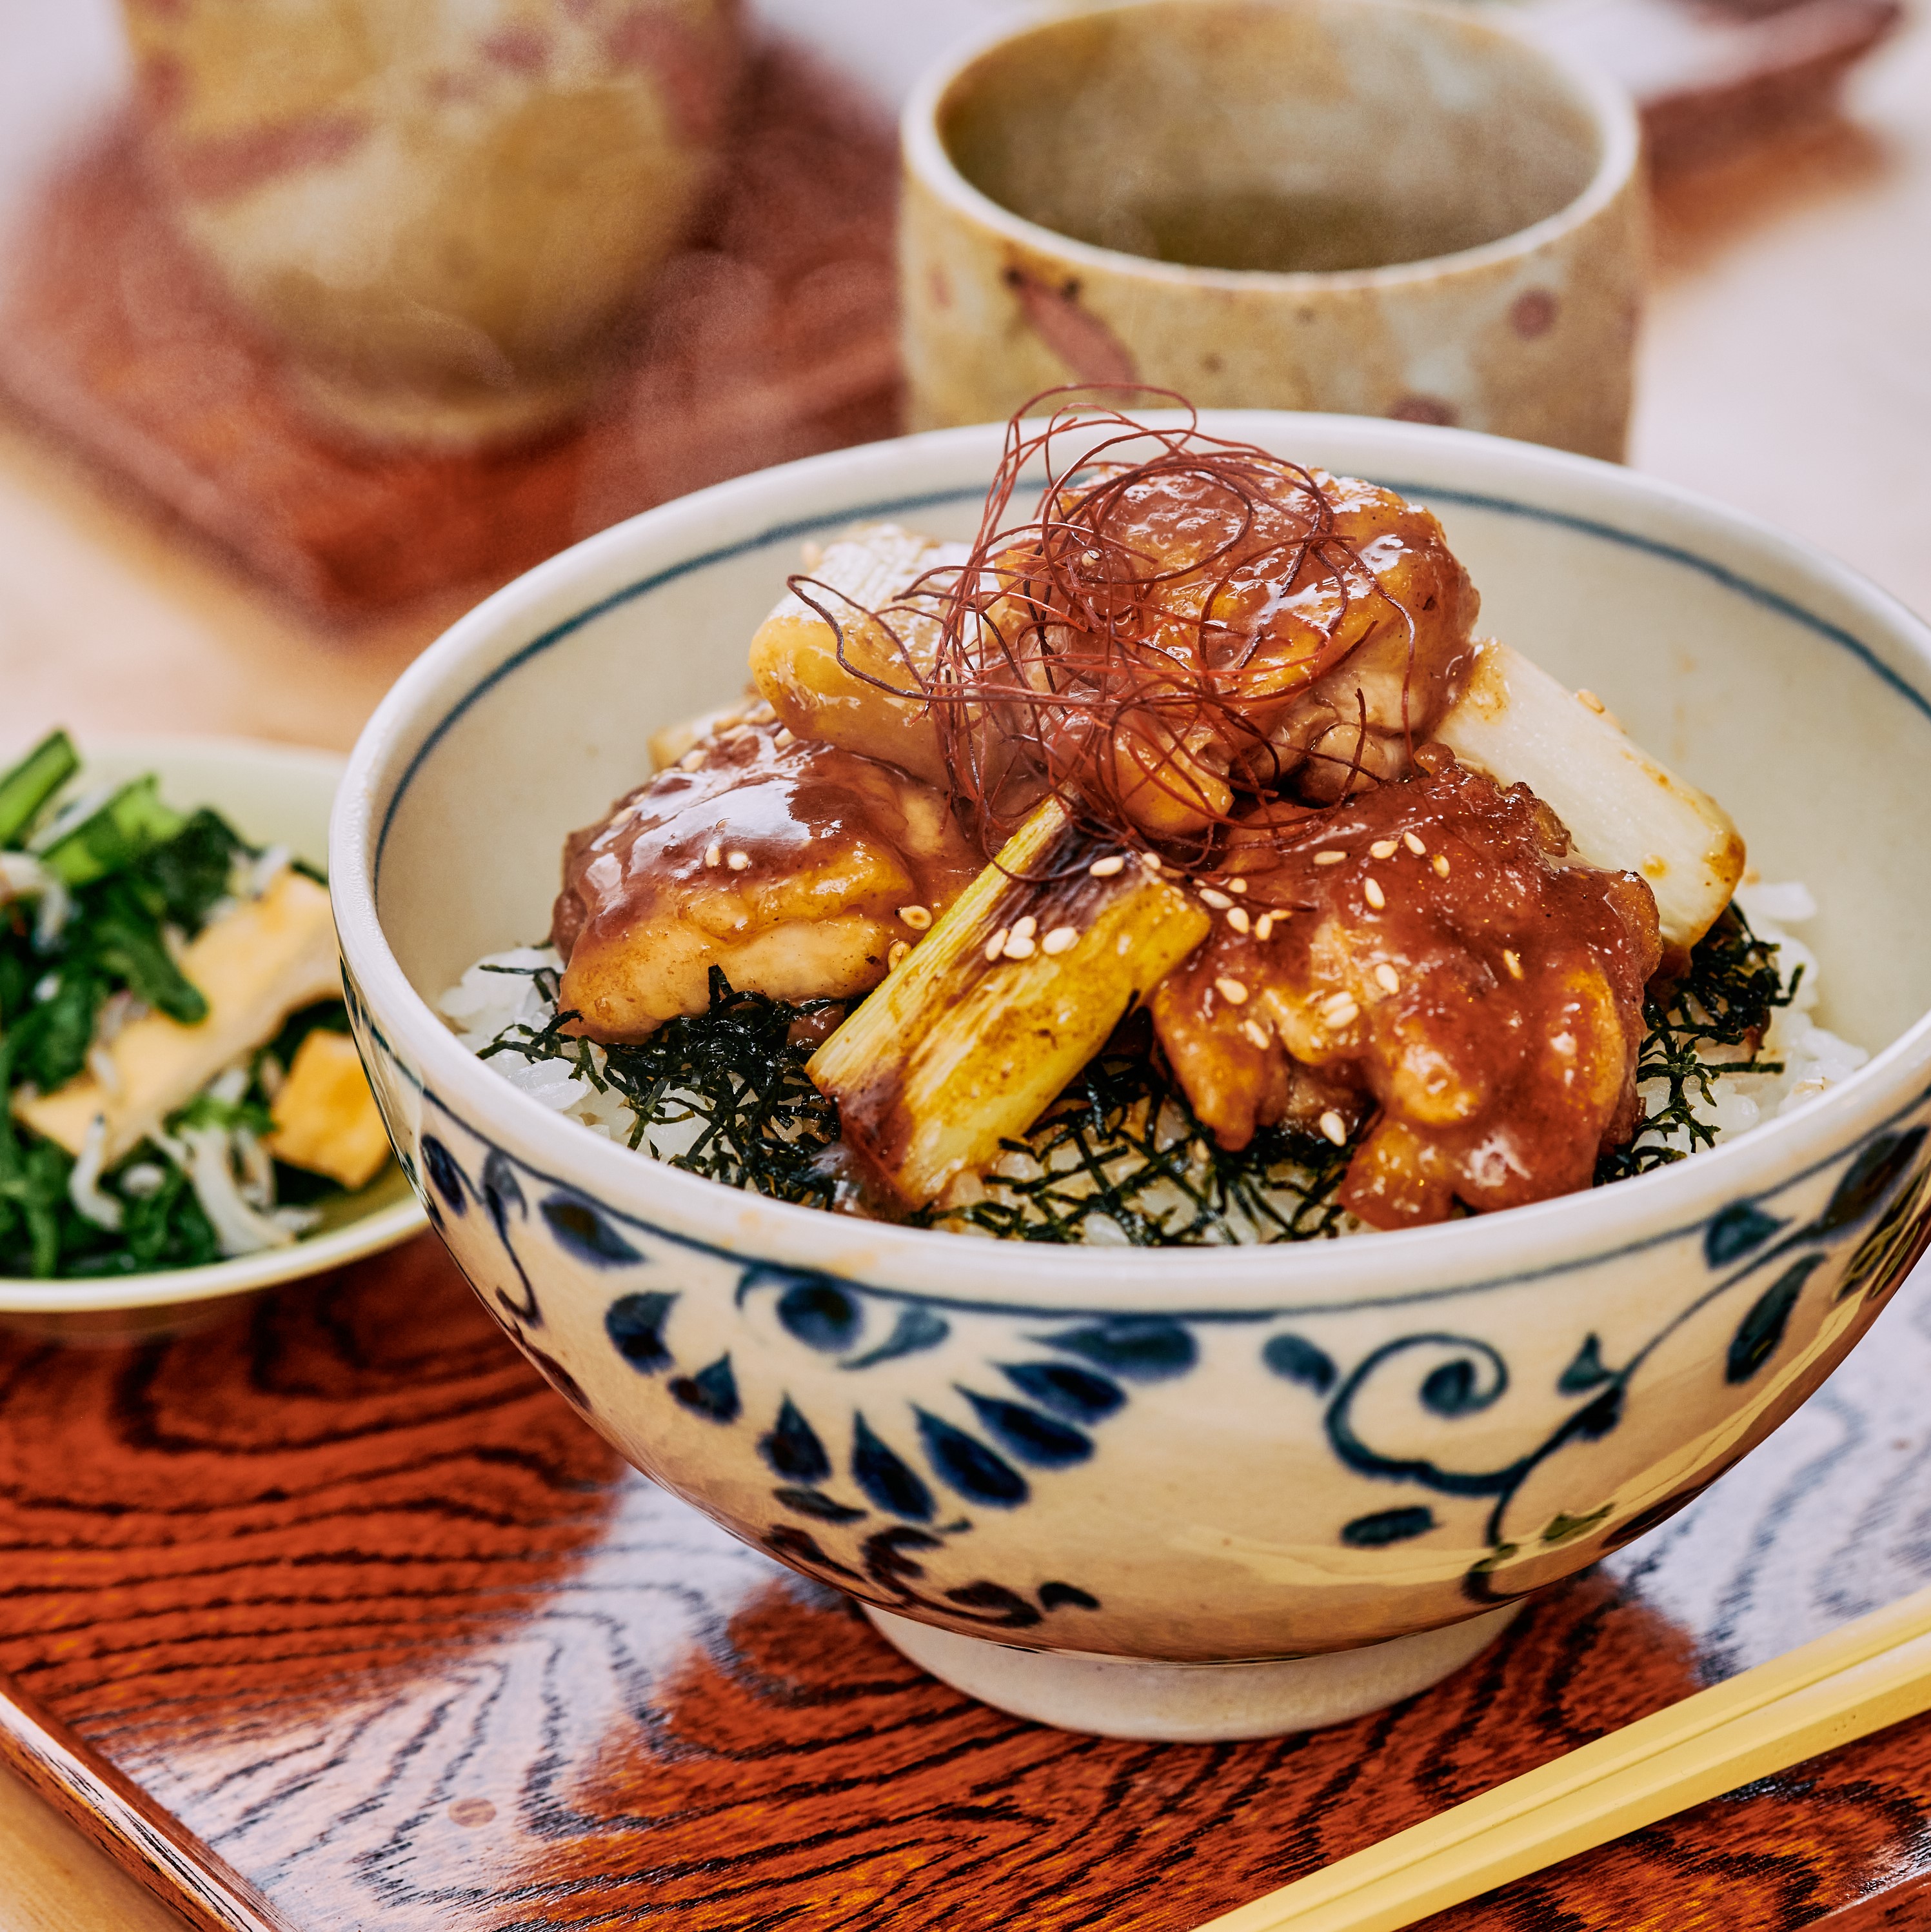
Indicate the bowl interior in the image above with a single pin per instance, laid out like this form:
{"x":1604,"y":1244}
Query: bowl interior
{"x":1315,"y":136}
{"x":1785,"y":686}
{"x":275,"y":795}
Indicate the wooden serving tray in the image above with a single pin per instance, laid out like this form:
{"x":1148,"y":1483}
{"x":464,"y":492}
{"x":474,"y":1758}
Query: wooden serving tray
{"x":343,"y":1599}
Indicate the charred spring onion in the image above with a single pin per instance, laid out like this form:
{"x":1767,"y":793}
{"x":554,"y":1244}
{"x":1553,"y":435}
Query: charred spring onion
{"x":971,"y":1036}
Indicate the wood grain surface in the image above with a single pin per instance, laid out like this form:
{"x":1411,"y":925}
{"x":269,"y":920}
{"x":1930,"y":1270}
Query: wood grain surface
{"x":356,"y":1599}
{"x":53,"y":1878}
{"x":348,"y":1593}
{"x":153,"y":1846}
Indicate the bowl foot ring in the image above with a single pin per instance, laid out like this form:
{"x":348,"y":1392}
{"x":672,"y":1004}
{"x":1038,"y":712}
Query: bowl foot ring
{"x":1190,"y":1703}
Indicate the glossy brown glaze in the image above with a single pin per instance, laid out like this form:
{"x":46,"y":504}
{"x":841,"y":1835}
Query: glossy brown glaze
{"x":1421,"y":952}
{"x":1214,"y":628}
{"x":358,"y":1600}
{"x":794,"y":866}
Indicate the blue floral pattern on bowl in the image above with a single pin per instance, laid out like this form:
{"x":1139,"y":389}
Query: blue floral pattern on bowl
{"x":1189,"y":1456}
{"x":885,"y":1441}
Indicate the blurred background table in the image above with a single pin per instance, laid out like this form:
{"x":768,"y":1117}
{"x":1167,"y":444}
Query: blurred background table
{"x":1786,"y":368}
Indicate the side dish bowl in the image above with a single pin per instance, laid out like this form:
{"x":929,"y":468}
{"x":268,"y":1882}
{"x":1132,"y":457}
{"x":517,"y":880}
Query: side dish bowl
{"x":1066,"y":1480}
{"x":273,"y":795}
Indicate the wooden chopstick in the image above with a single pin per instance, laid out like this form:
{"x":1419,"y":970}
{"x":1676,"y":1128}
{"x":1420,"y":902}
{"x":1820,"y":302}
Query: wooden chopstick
{"x":1869,"y":1673}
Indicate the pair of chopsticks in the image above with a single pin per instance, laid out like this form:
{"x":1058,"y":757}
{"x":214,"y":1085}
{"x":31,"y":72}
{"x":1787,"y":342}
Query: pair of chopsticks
{"x":1860,"y":1678}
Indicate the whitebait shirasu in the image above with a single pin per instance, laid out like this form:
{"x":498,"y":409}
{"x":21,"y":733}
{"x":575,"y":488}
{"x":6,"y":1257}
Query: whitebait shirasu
{"x":23,"y":877}
{"x":83,"y":1184}
{"x":206,"y":1155}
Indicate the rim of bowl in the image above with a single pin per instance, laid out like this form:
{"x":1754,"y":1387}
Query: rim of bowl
{"x":240,"y":1274}
{"x":1608,"y":106}
{"x":1543,"y":1238}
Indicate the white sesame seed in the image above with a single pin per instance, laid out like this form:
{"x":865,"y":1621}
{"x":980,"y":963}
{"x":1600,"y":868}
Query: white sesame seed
{"x":1025,"y":928}
{"x":1387,"y":979}
{"x":1019,"y":947}
{"x":996,"y":945}
{"x":1236,"y":885}
{"x":1219,"y":900}
{"x":1339,"y":1010}
{"x":1104,"y":868}
{"x":899,"y":949}
{"x":1384,"y":848}
{"x":1413,"y":844}
{"x":738,"y":861}
{"x":1334,"y":1127}
{"x":1237,"y":918}
{"x":917,"y":917}
{"x":1370,"y":891}
{"x":1232,"y":990}
{"x":785,"y":738}
{"x":692,"y":759}
{"x":713,"y":855}
{"x":1257,"y":1033}
{"x":1594,"y":703}
{"x":728,"y":720}
{"x":1513,"y":961}
{"x":761,"y":712}
{"x":1329,"y":858}
{"x":1264,"y":926}
{"x":1061,"y":939}
{"x":1440,"y":862}
{"x":1151,"y":860}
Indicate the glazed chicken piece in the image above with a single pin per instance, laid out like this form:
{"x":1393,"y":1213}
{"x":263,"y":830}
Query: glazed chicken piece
{"x":1410,"y":633}
{"x":795,"y":655}
{"x":1428,"y":953}
{"x":1158,"y":639}
{"x":1302,"y":635}
{"x":795,"y":866}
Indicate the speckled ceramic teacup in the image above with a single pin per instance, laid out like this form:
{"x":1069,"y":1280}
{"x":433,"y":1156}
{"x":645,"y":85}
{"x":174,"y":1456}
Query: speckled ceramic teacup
{"x":1175,"y":1492}
{"x":1379,"y":206}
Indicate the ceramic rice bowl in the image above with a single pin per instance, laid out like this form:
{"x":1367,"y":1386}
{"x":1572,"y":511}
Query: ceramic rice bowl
{"x":1066,"y":1480}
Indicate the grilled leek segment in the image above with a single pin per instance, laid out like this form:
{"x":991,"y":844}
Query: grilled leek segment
{"x":977,"y":1031}
{"x":1623,"y":810}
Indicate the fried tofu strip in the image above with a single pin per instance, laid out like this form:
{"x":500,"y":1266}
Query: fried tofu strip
{"x":254,"y":966}
{"x":326,"y":1118}
{"x":974,"y":1034}
{"x":1624,"y":810}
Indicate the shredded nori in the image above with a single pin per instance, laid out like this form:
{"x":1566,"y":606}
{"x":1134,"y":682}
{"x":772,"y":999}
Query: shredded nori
{"x":738,"y":1069}
{"x":1725,"y":1000}
{"x":1121,"y":1137}
{"x":1120,"y":1155}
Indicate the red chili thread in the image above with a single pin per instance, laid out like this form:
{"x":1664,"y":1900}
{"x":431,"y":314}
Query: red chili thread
{"x":1068,"y":646}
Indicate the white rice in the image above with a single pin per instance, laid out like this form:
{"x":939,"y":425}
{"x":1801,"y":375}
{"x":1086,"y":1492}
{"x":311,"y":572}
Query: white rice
{"x":501,"y":995}
{"x":1813,"y":1059}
